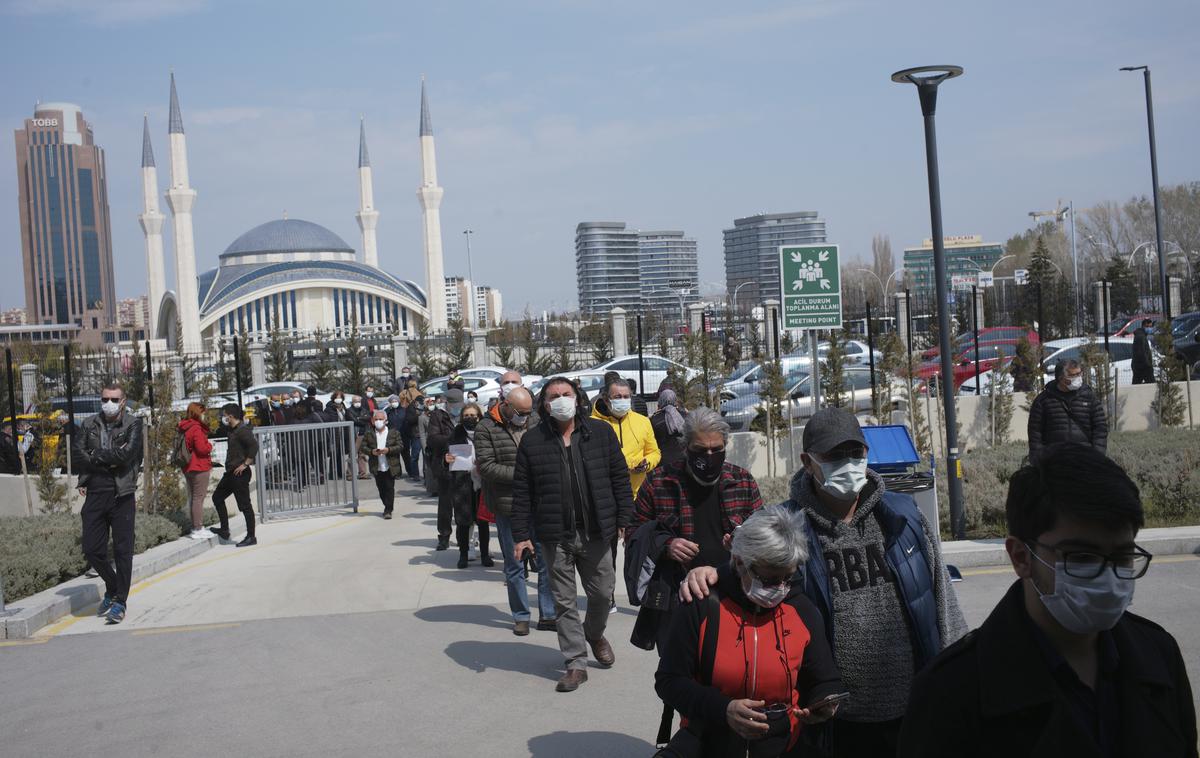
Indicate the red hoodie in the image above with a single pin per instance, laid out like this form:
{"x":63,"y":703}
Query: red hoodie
{"x":195,"y":436}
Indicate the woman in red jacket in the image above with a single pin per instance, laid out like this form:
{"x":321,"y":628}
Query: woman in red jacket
{"x":199,"y":468}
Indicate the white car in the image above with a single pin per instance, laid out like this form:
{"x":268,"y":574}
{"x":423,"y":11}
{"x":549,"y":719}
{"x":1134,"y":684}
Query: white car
{"x":487,"y":389}
{"x":742,"y":413}
{"x":215,"y":401}
{"x":260,"y":391}
{"x":495,"y":372}
{"x":1120,"y":349}
{"x":654,"y":370}
{"x":590,"y":382}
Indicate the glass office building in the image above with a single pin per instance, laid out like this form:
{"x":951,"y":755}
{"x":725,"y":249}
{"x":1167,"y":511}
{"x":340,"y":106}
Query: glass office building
{"x":66,"y":241}
{"x":966,"y":255}
{"x":670,"y":274}
{"x":606,"y":267}
{"x":752,"y":251}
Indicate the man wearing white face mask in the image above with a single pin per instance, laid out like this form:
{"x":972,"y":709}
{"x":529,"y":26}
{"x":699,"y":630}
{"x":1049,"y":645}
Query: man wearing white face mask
{"x":1067,"y":411}
{"x":1060,"y":667}
{"x":875,"y":573}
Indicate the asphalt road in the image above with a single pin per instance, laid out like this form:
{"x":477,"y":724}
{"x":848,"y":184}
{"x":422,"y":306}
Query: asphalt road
{"x":349,"y":636}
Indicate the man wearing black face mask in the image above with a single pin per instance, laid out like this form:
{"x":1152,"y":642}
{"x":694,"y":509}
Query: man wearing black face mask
{"x":1060,"y":667}
{"x":702,"y":494}
{"x":876,"y":575}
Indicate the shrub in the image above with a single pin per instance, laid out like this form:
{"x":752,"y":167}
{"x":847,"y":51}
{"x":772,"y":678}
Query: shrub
{"x":42,"y":551}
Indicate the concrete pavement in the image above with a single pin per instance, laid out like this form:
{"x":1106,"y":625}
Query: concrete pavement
{"x":349,"y":635}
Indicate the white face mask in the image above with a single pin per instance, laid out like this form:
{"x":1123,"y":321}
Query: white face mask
{"x":356,"y":404}
{"x":369,"y":393}
{"x":394,"y":404}
{"x":1074,"y":384}
{"x":620,"y":406}
{"x":760,"y":594}
{"x":379,"y":424}
{"x":1086,"y":606}
{"x":111,"y":408}
{"x":843,"y":479}
{"x":562,"y":408}
{"x":508,"y":387}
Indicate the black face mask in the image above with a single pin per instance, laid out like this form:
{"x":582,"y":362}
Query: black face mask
{"x":470,"y":423}
{"x":705,"y":467}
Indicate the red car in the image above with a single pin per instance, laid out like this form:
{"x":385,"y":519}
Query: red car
{"x":1123,"y":327}
{"x":989,"y":335}
{"x":964,"y":362}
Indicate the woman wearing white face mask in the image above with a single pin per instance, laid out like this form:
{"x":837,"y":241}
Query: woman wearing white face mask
{"x":750,"y":664}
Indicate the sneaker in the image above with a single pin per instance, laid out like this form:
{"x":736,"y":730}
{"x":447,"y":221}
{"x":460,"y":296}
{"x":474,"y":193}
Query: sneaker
{"x":92,"y":573}
{"x":116,"y":613}
{"x":199,"y":535}
{"x":205,"y":533}
{"x":387,"y":515}
{"x":105,"y":604}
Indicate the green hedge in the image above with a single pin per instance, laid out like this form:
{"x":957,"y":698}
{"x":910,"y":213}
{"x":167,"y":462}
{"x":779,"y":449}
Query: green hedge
{"x":1164,"y":463}
{"x":42,"y":551}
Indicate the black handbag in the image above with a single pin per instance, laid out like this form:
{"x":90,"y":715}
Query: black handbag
{"x":687,"y":742}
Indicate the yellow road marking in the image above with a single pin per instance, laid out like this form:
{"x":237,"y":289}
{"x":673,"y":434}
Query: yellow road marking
{"x":22,"y":643}
{"x":192,"y":628}
{"x":62,"y":625}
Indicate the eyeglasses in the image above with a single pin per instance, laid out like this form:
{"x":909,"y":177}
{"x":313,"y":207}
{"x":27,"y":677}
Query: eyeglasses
{"x":1087,"y":564}
{"x":777,"y":581}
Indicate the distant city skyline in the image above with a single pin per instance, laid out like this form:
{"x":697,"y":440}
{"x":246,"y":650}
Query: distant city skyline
{"x":708,"y":114}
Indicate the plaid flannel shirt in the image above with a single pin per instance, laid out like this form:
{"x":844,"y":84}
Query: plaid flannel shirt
{"x":663,"y":497}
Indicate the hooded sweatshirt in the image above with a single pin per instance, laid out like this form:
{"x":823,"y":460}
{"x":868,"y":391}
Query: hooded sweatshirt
{"x":195,"y":436}
{"x":871,"y":638}
{"x":636,"y":436}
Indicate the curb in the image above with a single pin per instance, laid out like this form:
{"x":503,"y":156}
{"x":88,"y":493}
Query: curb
{"x":32,"y":613}
{"x":1183,"y":540}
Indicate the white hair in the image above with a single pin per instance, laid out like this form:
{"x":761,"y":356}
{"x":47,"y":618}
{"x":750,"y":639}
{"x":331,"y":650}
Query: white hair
{"x":772,"y":539}
{"x":703,"y":420}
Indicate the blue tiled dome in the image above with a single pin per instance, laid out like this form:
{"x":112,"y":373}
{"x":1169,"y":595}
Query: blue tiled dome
{"x":289,"y":235}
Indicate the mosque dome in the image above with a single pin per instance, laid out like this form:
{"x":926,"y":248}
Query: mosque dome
{"x":288,"y":235}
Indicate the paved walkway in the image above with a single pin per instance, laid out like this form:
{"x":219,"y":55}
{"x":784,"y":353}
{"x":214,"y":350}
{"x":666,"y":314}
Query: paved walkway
{"x":350,"y":635}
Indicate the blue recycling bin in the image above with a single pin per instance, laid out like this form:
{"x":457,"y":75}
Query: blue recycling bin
{"x":892,"y":454}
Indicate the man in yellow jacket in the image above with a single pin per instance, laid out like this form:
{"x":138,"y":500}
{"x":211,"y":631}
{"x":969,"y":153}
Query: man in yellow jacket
{"x":632,"y":428}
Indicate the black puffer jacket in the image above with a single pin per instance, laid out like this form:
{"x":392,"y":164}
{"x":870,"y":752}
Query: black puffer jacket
{"x":1058,"y":416}
{"x":540,"y":487}
{"x":441,"y":426}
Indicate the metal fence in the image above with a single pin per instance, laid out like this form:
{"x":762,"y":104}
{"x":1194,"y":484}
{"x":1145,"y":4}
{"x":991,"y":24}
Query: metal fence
{"x":306,"y":468}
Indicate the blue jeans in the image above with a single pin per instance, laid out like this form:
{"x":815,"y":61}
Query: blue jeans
{"x":414,"y":455}
{"x":514,"y":576}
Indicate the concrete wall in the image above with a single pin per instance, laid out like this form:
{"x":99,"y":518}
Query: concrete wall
{"x":751,"y":451}
{"x":12,"y":495}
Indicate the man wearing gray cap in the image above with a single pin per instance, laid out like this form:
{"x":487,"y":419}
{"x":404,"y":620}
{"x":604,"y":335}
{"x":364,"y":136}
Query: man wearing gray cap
{"x":441,"y":425}
{"x":876,"y":575}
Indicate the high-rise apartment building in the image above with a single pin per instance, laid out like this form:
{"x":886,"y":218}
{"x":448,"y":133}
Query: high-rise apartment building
{"x":62,"y":199}
{"x":459,"y":300}
{"x":606,"y":267}
{"x":488,"y":307}
{"x":669,"y":272}
{"x":752,"y":251}
{"x":133,"y":311}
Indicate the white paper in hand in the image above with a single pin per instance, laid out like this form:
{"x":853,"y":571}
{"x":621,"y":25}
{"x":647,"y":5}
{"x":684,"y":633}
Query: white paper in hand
{"x":464,"y":457}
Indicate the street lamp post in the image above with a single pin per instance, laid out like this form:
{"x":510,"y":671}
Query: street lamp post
{"x":927,"y":79}
{"x":735,"y":291}
{"x":1158,"y":237}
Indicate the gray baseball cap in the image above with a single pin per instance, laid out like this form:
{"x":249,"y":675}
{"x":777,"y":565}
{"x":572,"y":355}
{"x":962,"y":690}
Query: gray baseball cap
{"x":830,"y":427}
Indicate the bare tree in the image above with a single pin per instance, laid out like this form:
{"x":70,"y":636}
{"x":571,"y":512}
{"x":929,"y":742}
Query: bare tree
{"x":883,"y":264}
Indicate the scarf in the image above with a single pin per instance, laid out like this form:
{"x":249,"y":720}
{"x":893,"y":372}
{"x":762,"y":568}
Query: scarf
{"x":667,"y":402}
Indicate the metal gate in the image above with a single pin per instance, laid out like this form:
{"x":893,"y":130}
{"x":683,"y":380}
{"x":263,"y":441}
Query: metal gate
{"x":306,"y":468}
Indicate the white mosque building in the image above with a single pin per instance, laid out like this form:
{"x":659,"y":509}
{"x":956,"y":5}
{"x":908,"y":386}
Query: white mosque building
{"x":289,"y":273}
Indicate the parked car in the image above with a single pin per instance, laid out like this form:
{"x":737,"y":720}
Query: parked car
{"x":1185,"y":339}
{"x":987,"y":335}
{"x":1124,"y":326}
{"x":965,"y":364}
{"x":745,"y":416}
{"x":495,"y":372}
{"x":485,"y":388}
{"x":654,"y":370}
{"x":215,"y":401}
{"x":1120,"y":350}
{"x":749,"y":383}
{"x":260,"y":391}
{"x":590,"y":382}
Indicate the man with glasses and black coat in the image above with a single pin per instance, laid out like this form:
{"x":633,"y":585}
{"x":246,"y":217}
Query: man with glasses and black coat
{"x":1060,"y":667}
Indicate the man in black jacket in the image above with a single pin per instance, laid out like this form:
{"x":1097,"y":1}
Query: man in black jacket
{"x":1060,"y":668}
{"x":1067,"y":411}
{"x":108,"y":450}
{"x":239,"y":455}
{"x":572,"y":482}
{"x":1143,"y":358}
{"x":441,"y":425}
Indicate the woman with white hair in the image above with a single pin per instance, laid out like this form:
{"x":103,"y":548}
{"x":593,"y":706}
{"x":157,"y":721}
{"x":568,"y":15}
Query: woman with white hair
{"x":748,"y":667}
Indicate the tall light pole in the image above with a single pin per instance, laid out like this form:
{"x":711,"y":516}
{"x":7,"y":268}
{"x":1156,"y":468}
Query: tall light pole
{"x":735,"y":291}
{"x":927,"y":79}
{"x":1158,"y":237}
{"x":470,"y":282}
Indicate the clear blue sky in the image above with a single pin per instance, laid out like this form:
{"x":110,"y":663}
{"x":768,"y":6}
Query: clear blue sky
{"x":678,"y":115}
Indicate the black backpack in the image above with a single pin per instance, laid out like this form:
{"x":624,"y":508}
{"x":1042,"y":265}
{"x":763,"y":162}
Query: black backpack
{"x":181,"y":456}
